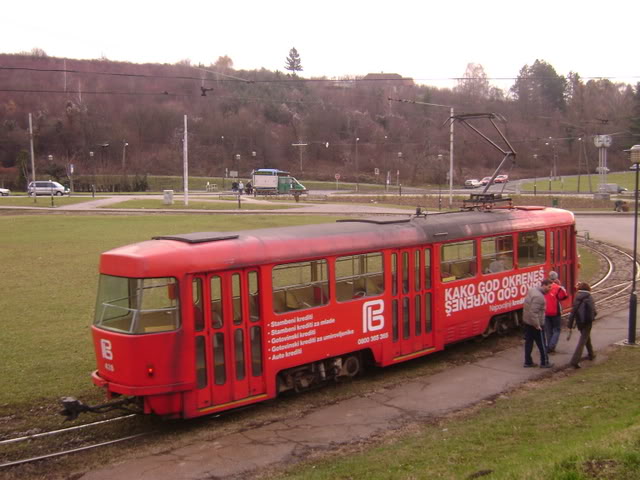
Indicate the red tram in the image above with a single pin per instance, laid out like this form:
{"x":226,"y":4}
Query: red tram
{"x":198,"y":323}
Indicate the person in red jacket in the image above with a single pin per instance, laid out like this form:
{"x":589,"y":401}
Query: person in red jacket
{"x":553,"y":312}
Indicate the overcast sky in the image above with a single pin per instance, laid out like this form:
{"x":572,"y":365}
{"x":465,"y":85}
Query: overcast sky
{"x":425,"y":40}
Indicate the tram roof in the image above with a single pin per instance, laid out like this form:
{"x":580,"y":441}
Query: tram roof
{"x":208,"y":251}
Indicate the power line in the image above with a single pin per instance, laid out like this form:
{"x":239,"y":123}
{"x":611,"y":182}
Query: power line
{"x":231,"y":78}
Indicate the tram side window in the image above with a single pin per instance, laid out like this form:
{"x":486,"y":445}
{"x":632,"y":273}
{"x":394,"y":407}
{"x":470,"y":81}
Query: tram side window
{"x":137,"y":305}
{"x":198,"y":313}
{"x":458,"y":260}
{"x":531,"y":248}
{"x":300,"y":285}
{"x":497,"y":254}
{"x":216,"y":302}
{"x":254,"y":296}
{"x":427,"y":268}
{"x":359,"y":276}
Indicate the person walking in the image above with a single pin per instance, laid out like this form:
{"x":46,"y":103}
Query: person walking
{"x":533,"y":318}
{"x":553,"y":312}
{"x":583,"y":313}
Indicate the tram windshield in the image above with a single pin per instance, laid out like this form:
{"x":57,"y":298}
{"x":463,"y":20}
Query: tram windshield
{"x":137,"y":305}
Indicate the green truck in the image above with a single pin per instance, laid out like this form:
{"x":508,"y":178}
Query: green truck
{"x":271,"y":181}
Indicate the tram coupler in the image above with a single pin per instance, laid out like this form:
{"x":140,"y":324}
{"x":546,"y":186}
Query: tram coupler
{"x":72,"y":407}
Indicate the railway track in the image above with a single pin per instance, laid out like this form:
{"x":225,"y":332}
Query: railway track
{"x":610,"y":292}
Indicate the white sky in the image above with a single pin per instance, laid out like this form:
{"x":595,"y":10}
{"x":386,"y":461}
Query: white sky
{"x":421,"y":39}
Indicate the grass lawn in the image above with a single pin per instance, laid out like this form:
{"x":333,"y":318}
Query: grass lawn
{"x":569,"y":427}
{"x":199,"y":205}
{"x":49,"y":277}
{"x":41,"y":201}
{"x":570,"y":184}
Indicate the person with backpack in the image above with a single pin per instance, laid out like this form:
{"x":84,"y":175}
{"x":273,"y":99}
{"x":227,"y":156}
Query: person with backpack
{"x":583,"y":313}
{"x":553,"y":312}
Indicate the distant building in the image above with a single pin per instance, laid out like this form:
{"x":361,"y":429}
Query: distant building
{"x":390,"y":81}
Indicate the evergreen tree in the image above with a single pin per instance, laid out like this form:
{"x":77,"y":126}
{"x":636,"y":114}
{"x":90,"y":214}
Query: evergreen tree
{"x":540,"y":87}
{"x":634,"y":126}
{"x":292,"y":62}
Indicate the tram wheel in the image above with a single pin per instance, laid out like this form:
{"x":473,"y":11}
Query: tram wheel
{"x":351,"y":366}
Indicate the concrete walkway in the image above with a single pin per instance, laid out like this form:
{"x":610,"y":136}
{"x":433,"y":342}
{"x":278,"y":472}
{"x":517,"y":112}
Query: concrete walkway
{"x":357,"y":419}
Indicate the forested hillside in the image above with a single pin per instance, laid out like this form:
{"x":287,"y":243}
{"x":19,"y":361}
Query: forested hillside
{"x":113,"y":117}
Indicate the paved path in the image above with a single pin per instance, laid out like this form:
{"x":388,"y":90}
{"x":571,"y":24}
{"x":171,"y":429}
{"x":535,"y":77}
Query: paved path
{"x":354,"y":420}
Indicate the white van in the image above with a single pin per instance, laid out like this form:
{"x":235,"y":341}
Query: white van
{"x":47,"y":187}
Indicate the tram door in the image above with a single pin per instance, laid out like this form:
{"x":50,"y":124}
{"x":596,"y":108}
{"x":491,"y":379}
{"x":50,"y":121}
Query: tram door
{"x":232,"y":340}
{"x":561,"y":252}
{"x":407,"y":309}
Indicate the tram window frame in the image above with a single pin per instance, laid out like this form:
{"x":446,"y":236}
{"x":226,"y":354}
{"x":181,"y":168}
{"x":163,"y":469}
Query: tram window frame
{"x":497,"y":254}
{"x":217,"y":305}
{"x":529,"y":242}
{"x":427,"y":268}
{"x":253,"y":284}
{"x":138,"y":306}
{"x":300,"y":285}
{"x":198,"y":300}
{"x":358,"y":276}
{"x":456,"y":262}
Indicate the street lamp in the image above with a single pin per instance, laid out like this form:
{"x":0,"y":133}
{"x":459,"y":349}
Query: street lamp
{"x":124,"y":155}
{"x":535,"y":173}
{"x":398,"y":171}
{"x":439,"y":184}
{"x":633,"y":303}
{"x":357,"y":170}
{"x":299,"y":144}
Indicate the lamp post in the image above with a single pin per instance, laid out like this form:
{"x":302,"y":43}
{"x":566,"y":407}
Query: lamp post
{"x":357,"y":169}
{"x":93,"y":185}
{"x":398,"y":171}
{"x":633,"y":302}
{"x":300,"y":144}
{"x":124,"y":155}
{"x":50,"y":157}
{"x":439,"y":184}
{"x":535,"y":173}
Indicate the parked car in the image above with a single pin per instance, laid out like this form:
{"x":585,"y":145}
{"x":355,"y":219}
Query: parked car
{"x":485,"y":181}
{"x":5,"y":192}
{"x":602,"y":169}
{"x":472,"y":183}
{"x":47,"y":188}
{"x":634,"y":166}
{"x":501,"y":179}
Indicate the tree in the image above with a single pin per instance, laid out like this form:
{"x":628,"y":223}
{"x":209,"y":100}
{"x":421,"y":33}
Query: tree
{"x":474,"y":83}
{"x":223,"y":63}
{"x":539,"y":88}
{"x":634,"y":127}
{"x":293,"y":62}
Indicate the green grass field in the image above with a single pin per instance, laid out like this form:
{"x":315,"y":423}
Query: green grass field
{"x":41,"y":201}
{"x":49,"y":275}
{"x":48,"y":284}
{"x":200,"y":205}
{"x":570,"y":184}
{"x":578,"y":427}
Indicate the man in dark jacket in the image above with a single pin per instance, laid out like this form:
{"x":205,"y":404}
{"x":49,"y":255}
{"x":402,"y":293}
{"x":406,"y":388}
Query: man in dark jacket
{"x":583,"y":313}
{"x":533,"y":318}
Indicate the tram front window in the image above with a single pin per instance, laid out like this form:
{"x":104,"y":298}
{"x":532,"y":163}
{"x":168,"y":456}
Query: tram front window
{"x":137,"y":305}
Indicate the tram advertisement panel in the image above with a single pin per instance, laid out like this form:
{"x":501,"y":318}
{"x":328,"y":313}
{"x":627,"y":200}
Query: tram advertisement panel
{"x":318,"y":331}
{"x":497,"y":294}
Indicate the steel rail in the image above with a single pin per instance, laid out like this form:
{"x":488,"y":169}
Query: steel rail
{"x":63,"y":430}
{"x":73,"y":450}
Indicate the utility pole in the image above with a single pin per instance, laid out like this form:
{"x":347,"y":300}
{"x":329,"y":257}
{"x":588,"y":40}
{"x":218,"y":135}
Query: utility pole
{"x":185,"y":155}
{"x":300,"y":144}
{"x":33,"y":162}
